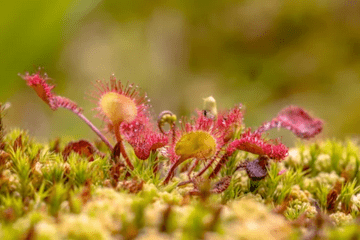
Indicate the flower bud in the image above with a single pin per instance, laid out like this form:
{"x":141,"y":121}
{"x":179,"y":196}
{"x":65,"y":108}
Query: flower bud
{"x":210,"y":106}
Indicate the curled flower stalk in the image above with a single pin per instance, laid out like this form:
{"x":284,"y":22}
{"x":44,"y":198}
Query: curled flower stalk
{"x":166,"y":117}
{"x":44,"y":91}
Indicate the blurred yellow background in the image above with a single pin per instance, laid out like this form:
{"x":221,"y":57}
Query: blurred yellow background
{"x":266,"y":54}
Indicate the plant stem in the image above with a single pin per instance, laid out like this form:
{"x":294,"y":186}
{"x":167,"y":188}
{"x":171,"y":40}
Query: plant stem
{"x":101,"y":136}
{"x":193,"y":167}
{"x":156,"y":165}
{"x":220,"y":164}
{"x":122,"y":147}
{"x":185,"y":182}
{"x":170,"y":173}
{"x":206,"y":167}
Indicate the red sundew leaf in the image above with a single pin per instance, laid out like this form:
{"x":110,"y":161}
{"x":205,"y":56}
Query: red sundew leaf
{"x":41,"y":87}
{"x":63,"y":102}
{"x":221,"y":185}
{"x":256,"y":169}
{"x":227,"y":121}
{"x":146,"y":142}
{"x":141,"y":136}
{"x":44,"y":91}
{"x":253,"y":143}
{"x":296,"y":120}
{"x":124,"y":97}
{"x":81,"y":147}
{"x":141,"y":123}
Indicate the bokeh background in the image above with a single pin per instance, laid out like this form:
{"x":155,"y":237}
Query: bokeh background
{"x":266,"y":54}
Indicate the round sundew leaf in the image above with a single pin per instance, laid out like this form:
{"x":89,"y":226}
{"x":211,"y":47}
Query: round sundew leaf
{"x":41,"y":92}
{"x":256,"y":169}
{"x":197,"y":144}
{"x":118,"y":108}
{"x":81,"y":147}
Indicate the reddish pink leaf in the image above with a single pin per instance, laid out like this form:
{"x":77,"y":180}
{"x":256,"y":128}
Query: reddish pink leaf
{"x":296,"y":120}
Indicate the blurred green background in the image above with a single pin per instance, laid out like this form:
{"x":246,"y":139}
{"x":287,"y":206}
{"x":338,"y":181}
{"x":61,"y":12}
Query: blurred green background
{"x":266,"y":54}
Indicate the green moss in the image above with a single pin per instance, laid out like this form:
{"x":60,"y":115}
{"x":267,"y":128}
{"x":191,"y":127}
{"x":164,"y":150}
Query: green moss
{"x":44,"y":195}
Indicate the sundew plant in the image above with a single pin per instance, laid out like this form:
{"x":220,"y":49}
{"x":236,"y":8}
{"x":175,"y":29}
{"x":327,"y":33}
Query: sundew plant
{"x":203,"y":177}
{"x":203,"y":138}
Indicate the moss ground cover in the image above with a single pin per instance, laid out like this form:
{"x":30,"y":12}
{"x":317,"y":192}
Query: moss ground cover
{"x":44,"y":196}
